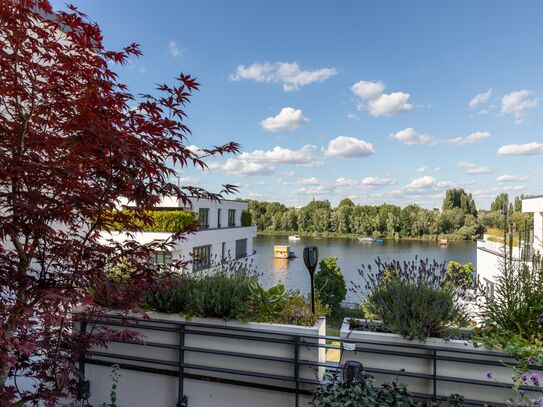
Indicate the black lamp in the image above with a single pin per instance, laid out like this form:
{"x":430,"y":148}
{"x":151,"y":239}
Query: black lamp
{"x":311,"y":259}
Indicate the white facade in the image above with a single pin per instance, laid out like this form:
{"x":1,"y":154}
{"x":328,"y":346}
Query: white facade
{"x":490,"y":254}
{"x":220,"y":239}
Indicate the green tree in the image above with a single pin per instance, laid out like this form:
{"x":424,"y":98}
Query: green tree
{"x":330,"y":284}
{"x":458,"y":198}
{"x":501,"y":201}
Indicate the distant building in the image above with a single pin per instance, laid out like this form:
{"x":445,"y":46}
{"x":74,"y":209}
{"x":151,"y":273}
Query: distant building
{"x":221,"y":237}
{"x":490,"y":253}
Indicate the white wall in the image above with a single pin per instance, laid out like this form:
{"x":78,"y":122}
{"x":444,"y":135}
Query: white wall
{"x":535,"y":205}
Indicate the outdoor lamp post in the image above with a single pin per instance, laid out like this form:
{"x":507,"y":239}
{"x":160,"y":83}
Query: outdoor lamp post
{"x":311,"y":258}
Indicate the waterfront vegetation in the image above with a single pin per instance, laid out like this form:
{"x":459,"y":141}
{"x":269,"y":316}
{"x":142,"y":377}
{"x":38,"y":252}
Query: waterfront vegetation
{"x":457,"y":219}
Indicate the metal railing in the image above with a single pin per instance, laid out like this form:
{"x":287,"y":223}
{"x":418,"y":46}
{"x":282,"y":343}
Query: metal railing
{"x":182,"y":370}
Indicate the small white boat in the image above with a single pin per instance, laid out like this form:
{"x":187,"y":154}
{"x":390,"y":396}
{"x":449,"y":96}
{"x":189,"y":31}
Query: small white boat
{"x":294,"y":237}
{"x":366,"y":239}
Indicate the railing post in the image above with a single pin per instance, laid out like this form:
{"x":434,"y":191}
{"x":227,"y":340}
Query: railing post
{"x":434,"y":370}
{"x":83,"y":385}
{"x":297,"y":369}
{"x":182,"y":400}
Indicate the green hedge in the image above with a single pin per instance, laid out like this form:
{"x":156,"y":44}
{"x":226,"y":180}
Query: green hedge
{"x":246,"y":218}
{"x":163,"y":221}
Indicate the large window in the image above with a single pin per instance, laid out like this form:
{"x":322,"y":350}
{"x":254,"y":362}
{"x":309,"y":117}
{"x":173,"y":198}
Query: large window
{"x":162,"y":257}
{"x":231,"y":218}
{"x":201,"y":257}
{"x":203,"y":217}
{"x":219,"y":218}
{"x":241,"y":248}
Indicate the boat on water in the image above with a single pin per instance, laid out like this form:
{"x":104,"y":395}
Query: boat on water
{"x":443,"y":242}
{"x":366,"y":239}
{"x":283,"y":252}
{"x":294,"y":237}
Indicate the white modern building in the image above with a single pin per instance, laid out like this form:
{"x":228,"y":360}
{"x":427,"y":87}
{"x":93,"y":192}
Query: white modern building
{"x":491,"y":253}
{"x":220,"y":239}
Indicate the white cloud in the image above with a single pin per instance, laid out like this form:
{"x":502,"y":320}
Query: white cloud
{"x":428,"y":169}
{"x":480,"y":99}
{"x":473,"y":169}
{"x":346,"y":182}
{"x":379,"y":103}
{"x":280,"y":155}
{"x":288,"y":119}
{"x":521,"y":149}
{"x":265,"y":162}
{"x":425,"y":182}
{"x":303,"y":181}
{"x":368,"y":90}
{"x":352,"y":116}
{"x":175,"y":51}
{"x":347,"y":147}
{"x":517,"y":103}
{"x":323,"y":189}
{"x":410,"y":136}
{"x":378,"y":182}
{"x":390,"y":105}
{"x":512,"y":178}
{"x":289,"y":75}
{"x":472,"y":138}
{"x":189,"y":180}
{"x":234,"y":166}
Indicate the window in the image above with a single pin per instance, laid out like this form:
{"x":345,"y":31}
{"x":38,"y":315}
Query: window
{"x":162,"y":257}
{"x":203,"y":217}
{"x":218,"y":218}
{"x":201,"y":257}
{"x":241,"y":248}
{"x":223,"y":251}
{"x":231,"y":218}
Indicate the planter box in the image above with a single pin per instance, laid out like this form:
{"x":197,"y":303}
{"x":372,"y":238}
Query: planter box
{"x":205,"y":337}
{"x":378,"y":356}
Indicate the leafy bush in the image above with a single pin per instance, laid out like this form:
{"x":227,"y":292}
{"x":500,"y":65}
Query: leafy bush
{"x":516,"y":304}
{"x":220,"y":296}
{"x":267,"y":305}
{"x":330,"y":284}
{"x":460,"y":275}
{"x":174,"y":299}
{"x":246,"y":218}
{"x":297,"y":311}
{"x":414,"y":299}
{"x":363,"y":392}
{"x":159,"y":221}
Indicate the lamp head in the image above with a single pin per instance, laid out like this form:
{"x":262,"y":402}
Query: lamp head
{"x":311,"y":257}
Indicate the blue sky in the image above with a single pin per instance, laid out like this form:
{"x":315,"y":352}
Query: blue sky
{"x":381,"y":101}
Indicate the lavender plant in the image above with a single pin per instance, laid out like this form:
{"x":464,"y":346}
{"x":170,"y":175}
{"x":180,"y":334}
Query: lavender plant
{"x":416,"y":299}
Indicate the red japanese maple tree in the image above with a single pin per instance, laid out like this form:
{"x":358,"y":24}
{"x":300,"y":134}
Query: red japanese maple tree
{"x":73,"y":142}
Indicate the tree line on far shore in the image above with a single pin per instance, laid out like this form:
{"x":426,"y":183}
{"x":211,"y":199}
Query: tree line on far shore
{"x":457,"y":219}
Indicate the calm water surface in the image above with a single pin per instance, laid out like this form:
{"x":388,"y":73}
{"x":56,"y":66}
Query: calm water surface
{"x":351,"y":255}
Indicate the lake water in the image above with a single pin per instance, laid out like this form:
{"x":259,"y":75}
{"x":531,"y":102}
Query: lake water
{"x":351,"y":255}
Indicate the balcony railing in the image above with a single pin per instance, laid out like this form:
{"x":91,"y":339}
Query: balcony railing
{"x":298,"y":384}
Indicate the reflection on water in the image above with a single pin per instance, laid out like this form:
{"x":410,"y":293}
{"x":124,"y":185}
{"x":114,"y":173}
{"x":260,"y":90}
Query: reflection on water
{"x":351,"y":255}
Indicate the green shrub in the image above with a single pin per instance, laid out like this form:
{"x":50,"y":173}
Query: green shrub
{"x":267,"y":305}
{"x":460,"y":275}
{"x":220,"y":296}
{"x":414,"y":311}
{"x":297,"y":311}
{"x":174,"y":299}
{"x":330,"y":284}
{"x":161,"y":221}
{"x":362,"y":392}
{"x":516,"y":303}
{"x":246,"y":218}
